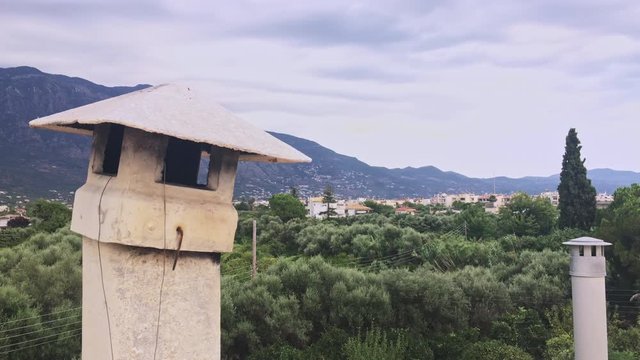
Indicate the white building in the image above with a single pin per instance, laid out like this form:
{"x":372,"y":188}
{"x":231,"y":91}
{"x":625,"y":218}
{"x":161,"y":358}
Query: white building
{"x":316,"y":208}
{"x":603,"y":200}
{"x":553,"y":196}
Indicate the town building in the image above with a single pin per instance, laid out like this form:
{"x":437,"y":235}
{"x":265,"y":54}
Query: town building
{"x":553,"y":196}
{"x":352,"y":209}
{"x":603,"y":200}
{"x":316,"y":208}
{"x":405,"y":210}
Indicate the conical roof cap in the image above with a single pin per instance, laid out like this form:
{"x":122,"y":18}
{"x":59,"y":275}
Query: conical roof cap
{"x":178,"y":111}
{"x":586,"y":241}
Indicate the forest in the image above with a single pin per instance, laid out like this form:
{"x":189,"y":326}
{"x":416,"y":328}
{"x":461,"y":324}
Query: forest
{"x":436,"y":285}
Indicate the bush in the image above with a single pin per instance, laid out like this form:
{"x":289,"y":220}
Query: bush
{"x":494,"y":350}
{"x":376,"y":345}
{"x":18,"y":222}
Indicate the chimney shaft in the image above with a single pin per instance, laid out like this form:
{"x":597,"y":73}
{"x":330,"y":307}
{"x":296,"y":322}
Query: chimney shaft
{"x":588,"y":270}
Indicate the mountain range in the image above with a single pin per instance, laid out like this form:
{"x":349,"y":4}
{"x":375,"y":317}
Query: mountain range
{"x":36,"y":163}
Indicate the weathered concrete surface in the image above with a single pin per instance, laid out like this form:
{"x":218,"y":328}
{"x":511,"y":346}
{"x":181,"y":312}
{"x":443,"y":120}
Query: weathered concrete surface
{"x":178,"y":111}
{"x":133,"y":202}
{"x":132,"y":276}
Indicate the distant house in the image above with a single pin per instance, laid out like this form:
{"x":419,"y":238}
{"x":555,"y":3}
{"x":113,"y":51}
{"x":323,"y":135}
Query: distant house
{"x":405,"y":210}
{"x":316,"y":208}
{"x":356,"y":209}
{"x":603,"y":200}
{"x":553,"y":196}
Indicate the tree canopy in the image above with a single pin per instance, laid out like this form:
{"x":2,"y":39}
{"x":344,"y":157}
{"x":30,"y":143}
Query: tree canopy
{"x":48,"y":215}
{"x":527,"y":216}
{"x":577,"y":202}
{"x":287,"y":207}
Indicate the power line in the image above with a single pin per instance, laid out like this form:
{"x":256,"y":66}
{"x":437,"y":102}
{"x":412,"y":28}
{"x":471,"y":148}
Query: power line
{"x":39,"y":316}
{"x":43,"y":343}
{"x":40,"y":330}
{"x":40,"y":323}
{"x":104,"y":291}
{"x":37,"y":339}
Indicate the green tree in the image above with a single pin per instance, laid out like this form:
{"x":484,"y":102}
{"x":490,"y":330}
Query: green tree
{"x":294,"y":192}
{"x":494,"y":350}
{"x":48,"y":215}
{"x":577,"y":202}
{"x":379,"y":208}
{"x":328,"y":198}
{"x":526,"y":216}
{"x":242,"y":206}
{"x":376,"y":345}
{"x":621,"y":226}
{"x":476,"y":222}
{"x":18,"y":222}
{"x":287,"y":207}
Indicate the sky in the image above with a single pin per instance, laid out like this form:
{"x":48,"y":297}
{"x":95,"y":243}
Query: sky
{"x":482,"y":88}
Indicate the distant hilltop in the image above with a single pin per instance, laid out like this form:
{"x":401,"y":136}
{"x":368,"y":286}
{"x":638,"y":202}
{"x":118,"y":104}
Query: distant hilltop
{"x":38,"y":163}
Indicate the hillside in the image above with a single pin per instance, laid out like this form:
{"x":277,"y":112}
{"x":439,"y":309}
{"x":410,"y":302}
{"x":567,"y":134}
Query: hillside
{"x":352,"y":177}
{"x":37,"y":163}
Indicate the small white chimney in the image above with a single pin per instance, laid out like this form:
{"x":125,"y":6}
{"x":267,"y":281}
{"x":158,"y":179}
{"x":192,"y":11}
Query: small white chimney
{"x":588,"y":270}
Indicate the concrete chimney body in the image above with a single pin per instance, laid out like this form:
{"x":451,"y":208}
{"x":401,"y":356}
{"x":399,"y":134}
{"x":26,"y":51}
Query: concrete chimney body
{"x":588,"y":271}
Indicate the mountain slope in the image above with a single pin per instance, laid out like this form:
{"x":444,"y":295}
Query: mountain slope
{"x":352,"y":177}
{"x":34,"y":161}
{"x":37,"y":162}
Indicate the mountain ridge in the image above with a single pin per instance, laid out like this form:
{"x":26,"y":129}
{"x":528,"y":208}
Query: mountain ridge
{"x":36,"y":162}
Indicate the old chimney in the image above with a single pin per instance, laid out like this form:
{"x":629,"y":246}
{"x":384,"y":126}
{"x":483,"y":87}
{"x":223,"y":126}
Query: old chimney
{"x":154,"y":220}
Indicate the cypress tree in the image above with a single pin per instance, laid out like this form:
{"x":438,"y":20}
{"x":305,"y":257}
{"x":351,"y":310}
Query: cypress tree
{"x":328,"y":198}
{"x":577,"y":202}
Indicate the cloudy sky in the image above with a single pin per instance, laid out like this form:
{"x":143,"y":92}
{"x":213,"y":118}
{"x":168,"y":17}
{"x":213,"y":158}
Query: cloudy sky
{"x":479,"y":87}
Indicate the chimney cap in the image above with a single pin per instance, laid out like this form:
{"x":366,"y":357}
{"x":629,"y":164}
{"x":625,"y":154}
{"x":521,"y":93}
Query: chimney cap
{"x":586,"y":241}
{"x":179,"y":111}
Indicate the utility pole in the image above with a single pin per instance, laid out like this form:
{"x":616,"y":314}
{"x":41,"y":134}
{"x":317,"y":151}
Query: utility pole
{"x":254,"y":242}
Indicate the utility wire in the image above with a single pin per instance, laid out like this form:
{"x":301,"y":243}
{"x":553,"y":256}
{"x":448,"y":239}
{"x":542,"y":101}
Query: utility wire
{"x":164,"y":254}
{"x":40,"y":330}
{"x":104,"y":292}
{"x":37,"y":339}
{"x":37,"y":324}
{"x":44,"y":343}
{"x":39,"y":316}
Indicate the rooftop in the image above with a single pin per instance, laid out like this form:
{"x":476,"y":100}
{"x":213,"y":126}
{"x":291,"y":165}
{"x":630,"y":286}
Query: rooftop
{"x":587,"y":241}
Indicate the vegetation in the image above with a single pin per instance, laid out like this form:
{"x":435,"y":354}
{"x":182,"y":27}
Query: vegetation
{"x":287,"y":207}
{"x":527,"y":216}
{"x":48,"y":216}
{"x":469,"y":285}
{"x":621,"y":226}
{"x":577,"y":196}
{"x":18,"y":222}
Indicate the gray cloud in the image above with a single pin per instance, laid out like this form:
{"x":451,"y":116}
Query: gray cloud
{"x":357,"y":73}
{"x":435,"y":73}
{"x":292,"y":89}
{"x":329,"y":29}
{"x":86,"y":10}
